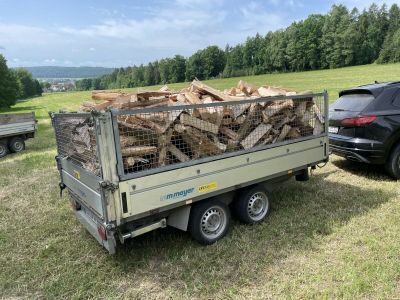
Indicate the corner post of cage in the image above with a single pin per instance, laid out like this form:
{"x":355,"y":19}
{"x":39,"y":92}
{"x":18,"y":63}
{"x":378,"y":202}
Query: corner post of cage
{"x":326,"y":115}
{"x":326,"y":110}
{"x":107,"y":160}
{"x":117,"y":142}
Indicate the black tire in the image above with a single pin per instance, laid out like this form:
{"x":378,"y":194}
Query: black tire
{"x":252,"y":205}
{"x":209,"y":221}
{"x":3,"y":148}
{"x":17,"y":144}
{"x":392,"y":165}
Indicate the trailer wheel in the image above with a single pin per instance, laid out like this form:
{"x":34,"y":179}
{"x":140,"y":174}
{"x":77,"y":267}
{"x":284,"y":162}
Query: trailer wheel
{"x":252,"y":205}
{"x":209,"y":221}
{"x":17,"y":144}
{"x":3,"y":148}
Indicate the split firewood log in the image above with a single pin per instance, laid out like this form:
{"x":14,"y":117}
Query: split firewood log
{"x":268,"y":91}
{"x":257,"y":134}
{"x":163,"y":143}
{"x":300,"y":109}
{"x":132,"y":160}
{"x":109,"y":96}
{"x":318,"y":127}
{"x":127,"y":141}
{"x":293,"y":133}
{"x":229,"y":133}
{"x":178,"y":153}
{"x":138,"y":151}
{"x":186,"y":119}
{"x":253,"y":118}
{"x":193,"y":98}
{"x":199,"y":143}
{"x":204,"y":89}
{"x":247,"y":88}
{"x":284,"y":132}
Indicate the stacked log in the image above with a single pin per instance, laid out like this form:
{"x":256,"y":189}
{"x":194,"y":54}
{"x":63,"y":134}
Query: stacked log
{"x":155,"y":139}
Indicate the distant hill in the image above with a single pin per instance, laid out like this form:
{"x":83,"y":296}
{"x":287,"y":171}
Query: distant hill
{"x":68,"y":72}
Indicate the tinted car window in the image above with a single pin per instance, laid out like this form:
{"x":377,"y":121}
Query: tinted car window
{"x":396,"y":101}
{"x":353,"y":102}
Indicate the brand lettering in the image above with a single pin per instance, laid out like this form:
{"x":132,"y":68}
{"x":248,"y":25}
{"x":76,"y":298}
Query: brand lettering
{"x":177,"y":195}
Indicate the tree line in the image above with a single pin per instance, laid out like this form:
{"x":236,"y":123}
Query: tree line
{"x":16,"y":84}
{"x":340,"y":38}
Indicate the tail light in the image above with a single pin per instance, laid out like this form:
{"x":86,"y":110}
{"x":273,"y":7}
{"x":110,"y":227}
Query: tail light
{"x":102,"y":232}
{"x":358,"y":121}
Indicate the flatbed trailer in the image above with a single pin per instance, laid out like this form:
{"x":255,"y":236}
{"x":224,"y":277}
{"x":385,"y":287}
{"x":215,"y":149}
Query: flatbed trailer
{"x":116,"y":200}
{"x":14,"y":130}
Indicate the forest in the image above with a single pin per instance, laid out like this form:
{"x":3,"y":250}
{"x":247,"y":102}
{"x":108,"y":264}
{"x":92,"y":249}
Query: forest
{"x":340,"y":38}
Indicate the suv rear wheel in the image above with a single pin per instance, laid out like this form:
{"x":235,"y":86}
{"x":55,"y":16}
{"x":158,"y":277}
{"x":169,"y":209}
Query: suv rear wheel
{"x":393,"y":163}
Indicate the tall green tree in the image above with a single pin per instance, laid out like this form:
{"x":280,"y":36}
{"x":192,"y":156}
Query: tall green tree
{"x":390,"y":51}
{"x":177,"y":67}
{"x":8,"y":85}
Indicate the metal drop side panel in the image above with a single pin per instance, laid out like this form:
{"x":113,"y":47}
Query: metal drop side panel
{"x":159,"y":191}
{"x":83,"y":185}
{"x":17,"y":128}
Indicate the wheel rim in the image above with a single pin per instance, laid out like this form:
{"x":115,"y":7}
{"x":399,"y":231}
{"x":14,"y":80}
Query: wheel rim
{"x":213,"y":222}
{"x":258,"y":206}
{"x":18,"y":146}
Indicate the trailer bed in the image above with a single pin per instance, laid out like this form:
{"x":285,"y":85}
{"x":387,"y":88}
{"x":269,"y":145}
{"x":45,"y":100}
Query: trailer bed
{"x":129,"y":190}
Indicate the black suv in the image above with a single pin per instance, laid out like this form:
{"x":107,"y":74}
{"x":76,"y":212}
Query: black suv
{"x":364,"y":125}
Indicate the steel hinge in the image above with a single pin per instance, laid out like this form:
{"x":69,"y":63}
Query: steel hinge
{"x":108,"y":185}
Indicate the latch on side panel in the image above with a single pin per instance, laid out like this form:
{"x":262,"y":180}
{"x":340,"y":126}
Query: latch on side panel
{"x":108,"y":185}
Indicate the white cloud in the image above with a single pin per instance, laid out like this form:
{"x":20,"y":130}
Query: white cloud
{"x":50,"y":61}
{"x":171,"y":27}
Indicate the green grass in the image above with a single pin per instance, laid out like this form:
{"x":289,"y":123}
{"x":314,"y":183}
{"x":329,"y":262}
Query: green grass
{"x":336,"y":236}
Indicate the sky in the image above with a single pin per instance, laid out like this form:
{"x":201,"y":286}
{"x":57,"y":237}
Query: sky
{"x":121,"y":33}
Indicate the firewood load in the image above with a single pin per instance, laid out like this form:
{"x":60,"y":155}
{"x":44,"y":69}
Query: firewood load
{"x":221,"y":124}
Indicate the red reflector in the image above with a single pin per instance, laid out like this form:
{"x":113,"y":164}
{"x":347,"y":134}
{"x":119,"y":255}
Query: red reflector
{"x":102,"y":232}
{"x":358,"y":121}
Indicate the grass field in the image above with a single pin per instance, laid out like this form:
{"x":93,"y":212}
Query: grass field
{"x":336,"y":236}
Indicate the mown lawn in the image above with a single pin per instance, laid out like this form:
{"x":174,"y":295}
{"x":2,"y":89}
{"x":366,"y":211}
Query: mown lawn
{"x":336,"y":236}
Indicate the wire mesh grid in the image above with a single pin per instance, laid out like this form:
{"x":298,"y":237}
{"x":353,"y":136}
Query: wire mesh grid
{"x":76,"y":140}
{"x":150,"y":140}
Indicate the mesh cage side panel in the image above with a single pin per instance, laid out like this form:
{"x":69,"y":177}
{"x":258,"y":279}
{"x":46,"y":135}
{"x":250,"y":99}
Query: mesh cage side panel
{"x":76,"y":140}
{"x":164,"y":138}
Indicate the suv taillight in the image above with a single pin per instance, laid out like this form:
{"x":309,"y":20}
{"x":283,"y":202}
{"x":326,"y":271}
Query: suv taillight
{"x":358,"y":121}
